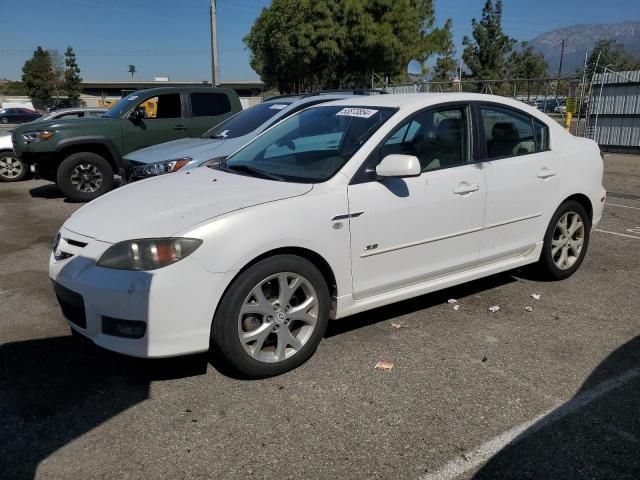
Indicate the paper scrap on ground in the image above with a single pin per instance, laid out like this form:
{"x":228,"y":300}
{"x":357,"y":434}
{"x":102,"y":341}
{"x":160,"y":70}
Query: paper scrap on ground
{"x":536,"y":296}
{"x":528,"y":309}
{"x":451,"y":301}
{"x":495,"y":308}
{"x":384,"y":365}
{"x":456,"y":307}
{"x":396,"y":325}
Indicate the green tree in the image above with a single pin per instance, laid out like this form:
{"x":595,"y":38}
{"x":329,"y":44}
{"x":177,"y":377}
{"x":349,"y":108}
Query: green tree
{"x":72,"y":79}
{"x":446,"y":65}
{"x":298,"y":45}
{"x":38,"y":77}
{"x":610,"y":53}
{"x":486,"y":54}
{"x":526,"y":63}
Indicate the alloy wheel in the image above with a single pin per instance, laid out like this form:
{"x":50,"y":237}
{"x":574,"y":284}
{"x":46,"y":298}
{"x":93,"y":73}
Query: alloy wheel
{"x":278,"y":317}
{"x":10,"y":167}
{"x":86,"y":178}
{"x":567,"y":240}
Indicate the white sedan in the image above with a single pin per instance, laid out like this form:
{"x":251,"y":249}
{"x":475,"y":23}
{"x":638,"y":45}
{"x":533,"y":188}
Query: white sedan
{"x":340,"y":208}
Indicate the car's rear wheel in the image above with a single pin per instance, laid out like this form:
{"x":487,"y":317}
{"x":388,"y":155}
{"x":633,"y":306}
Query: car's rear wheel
{"x":12,"y":169}
{"x":84,"y":176}
{"x":272,"y":317}
{"x":566,"y":241}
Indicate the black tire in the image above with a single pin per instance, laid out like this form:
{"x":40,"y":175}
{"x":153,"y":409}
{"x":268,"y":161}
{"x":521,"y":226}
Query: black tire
{"x":546,"y":264}
{"x":100,"y":172}
{"x":225,"y":342}
{"x":12,"y":169}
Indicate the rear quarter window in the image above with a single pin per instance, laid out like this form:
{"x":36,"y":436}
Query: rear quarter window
{"x":209,"y":104}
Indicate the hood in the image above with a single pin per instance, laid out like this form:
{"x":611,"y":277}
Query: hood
{"x":63,"y":124}
{"x":199,"y":149}
{"x":168,"y":204}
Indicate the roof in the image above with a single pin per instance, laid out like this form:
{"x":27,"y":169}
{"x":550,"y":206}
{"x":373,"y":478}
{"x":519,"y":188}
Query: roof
{"x":406,"y":100}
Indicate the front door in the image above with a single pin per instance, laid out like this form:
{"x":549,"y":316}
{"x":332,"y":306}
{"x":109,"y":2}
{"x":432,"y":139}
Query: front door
{"x":163,"y":121}
{"x":522,"y":179}
{"x":406,"y":231}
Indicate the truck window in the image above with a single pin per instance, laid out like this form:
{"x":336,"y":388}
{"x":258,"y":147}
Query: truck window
{"x":209,"y":104}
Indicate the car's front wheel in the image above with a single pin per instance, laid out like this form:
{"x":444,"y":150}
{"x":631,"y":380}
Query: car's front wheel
{"x":84,"y":176}
{"x":272,"y":317}
{"x":566,"y":241}
{"x":12,"y":169}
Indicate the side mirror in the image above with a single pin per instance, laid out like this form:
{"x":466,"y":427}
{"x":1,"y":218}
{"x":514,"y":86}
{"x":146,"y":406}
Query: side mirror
{"x":397,"y":165}
{"x":137,"y":115}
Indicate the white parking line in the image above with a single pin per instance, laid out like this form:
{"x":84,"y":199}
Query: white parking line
{"x":622,"y":206}
{"x":616,"y":233}
{"x":484,"y":452}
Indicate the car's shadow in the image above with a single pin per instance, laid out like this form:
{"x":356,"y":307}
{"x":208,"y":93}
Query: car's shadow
{"x":416,"y":304}
{"x":55,"y":390}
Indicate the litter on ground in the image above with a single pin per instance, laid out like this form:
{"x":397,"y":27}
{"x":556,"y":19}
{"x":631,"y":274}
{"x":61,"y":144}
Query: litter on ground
{"x":528,"y":309}
{"x":396,"y":325}
{"x":494,"y":309}
{"x":456,"y":307}
{"x":536,"y":296}
{"x":384,"y":365}
{"x":451,"y":301}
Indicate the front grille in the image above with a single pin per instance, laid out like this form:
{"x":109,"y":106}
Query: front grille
{"x":71,"y":304}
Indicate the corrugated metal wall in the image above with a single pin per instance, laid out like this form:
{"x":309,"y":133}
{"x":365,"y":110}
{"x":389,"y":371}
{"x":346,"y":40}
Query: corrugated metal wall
{"x":614,"y":110}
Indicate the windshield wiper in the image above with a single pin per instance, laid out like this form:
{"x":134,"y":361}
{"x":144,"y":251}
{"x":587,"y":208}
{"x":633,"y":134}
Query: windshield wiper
{"x":255,"y":171}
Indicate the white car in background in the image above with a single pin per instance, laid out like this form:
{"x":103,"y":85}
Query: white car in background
{"x":401,"y":195}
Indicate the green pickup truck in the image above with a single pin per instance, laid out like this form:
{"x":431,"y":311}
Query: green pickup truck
{"x":82,"y":156}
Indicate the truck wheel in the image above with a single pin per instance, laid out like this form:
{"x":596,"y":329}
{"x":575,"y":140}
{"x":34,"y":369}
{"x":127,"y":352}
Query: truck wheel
{"x":12,"y":169}
{"x":84,"y":176}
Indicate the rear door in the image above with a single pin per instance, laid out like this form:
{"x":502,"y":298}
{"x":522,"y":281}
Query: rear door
{"x":164,"y":120}
{"x":207,"y":110}
{"x":522,"y":176}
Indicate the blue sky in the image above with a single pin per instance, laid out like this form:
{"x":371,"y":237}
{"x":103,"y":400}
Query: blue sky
{"x":168,"y":37}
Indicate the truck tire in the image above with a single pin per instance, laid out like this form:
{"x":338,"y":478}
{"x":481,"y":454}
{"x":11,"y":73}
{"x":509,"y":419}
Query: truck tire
{"x":84,"y":176}
{"x":12,"y":169}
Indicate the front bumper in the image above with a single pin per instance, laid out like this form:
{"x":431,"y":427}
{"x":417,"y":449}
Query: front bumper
{"x":177,"y":303}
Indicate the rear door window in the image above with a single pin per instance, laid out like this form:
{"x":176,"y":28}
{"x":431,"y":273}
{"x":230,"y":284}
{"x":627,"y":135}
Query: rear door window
{"x":209,"y":104}
{"x":509,"y":133}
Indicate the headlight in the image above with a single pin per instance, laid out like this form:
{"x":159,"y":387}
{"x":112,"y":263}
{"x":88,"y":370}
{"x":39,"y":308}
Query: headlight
{"x":160,"y":168}
{"x":37,"y":136}
{"x":214,"y":162}
{"x":147,"y":253}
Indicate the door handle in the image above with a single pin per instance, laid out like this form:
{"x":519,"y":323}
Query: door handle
{"x":464,"y":188}
{"x":546,"y":173}
{"x":179,"y":127}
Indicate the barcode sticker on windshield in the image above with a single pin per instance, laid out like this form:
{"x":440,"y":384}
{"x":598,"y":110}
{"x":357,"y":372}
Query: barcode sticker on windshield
{"x":356,"y":112}
{"x":278,"y":106}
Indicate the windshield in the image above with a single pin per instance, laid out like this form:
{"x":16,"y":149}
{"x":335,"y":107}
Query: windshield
{"x":310,"y":146}
{"x":121,"y":106}
{"x":247,"y":120}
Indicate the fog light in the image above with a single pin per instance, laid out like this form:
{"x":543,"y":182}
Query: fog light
{"x":123,"y":328}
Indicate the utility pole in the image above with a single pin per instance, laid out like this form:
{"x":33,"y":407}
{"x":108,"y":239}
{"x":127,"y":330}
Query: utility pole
{"x":561,"y":56}
{"x":215,"y":69}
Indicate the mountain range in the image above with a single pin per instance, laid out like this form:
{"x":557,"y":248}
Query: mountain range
{"x":580,"y":38}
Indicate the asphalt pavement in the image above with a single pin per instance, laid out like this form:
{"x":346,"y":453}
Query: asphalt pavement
{"x":553,"y":393}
